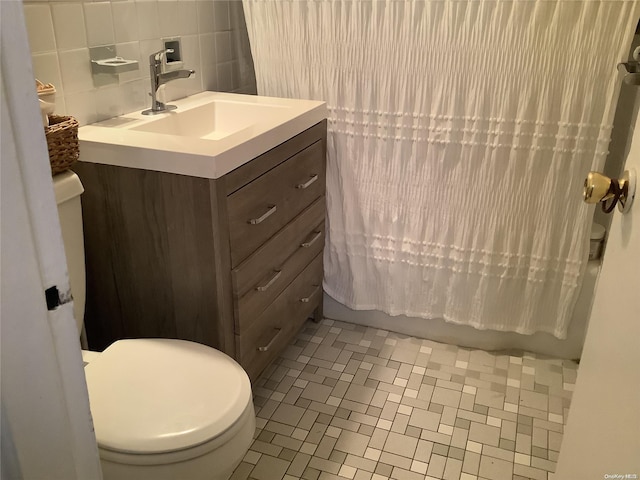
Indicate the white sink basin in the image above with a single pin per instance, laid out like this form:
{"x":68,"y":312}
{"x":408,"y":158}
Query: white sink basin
{"x":213,"y":121}
{"x":208,"y":135}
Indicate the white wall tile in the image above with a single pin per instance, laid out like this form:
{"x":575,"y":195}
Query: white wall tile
{"x":205,"y":16}
{"x":225,"y":79}
{"x":109,"y":102}
{"x":134,"y":96}
{"x":209,"y":75}
{"x":242,"y":48}
{"x":168,"y":13}
{"x":209,"y":78}
{"x":125,"y":21}
{"x":148,"y":20}
{"x":190,"y":51}
{"x":191,"y":61}
{"x":99,"y":24}
{"x":207,"y":48}
{"x":104,"y":79}
{"x":171,"y":91}
{"x":61,"y":108}
{"x":82,"y":106}
{"x":236,"y":15}
{"x":223,"y":47}
{"x":187,"y":18}
{"x":40,"y":27}
{"x":68,"y":24}
{"x":221,"y":15}
{"x":47,"y":69}
{"x":75,"y":67}
{"x":235,"y":75}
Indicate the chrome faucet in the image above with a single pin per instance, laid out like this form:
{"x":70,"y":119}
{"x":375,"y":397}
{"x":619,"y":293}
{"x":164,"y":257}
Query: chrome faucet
{"x":158,"y":77}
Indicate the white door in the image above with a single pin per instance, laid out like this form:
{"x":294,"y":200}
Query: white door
{"x":46,"y":429}
{"x":602,"y":438}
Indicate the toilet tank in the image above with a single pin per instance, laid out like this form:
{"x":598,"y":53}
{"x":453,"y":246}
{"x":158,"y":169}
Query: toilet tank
{"x":68,"y":188}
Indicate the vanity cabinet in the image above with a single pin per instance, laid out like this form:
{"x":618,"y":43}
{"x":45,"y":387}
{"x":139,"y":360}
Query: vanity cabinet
{"x":233,"y":262}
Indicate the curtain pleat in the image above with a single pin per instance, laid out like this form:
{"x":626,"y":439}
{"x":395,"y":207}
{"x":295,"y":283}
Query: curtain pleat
{"x":460,"y":133}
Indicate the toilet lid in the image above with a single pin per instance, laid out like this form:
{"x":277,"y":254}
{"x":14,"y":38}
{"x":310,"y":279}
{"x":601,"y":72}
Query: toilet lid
{"x":160,"y":395}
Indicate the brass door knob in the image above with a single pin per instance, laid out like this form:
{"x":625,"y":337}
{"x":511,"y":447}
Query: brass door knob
{"x":599,"y":188}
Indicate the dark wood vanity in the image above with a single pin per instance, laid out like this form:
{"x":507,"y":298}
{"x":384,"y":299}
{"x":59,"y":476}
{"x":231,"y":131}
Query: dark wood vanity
{"x":234,"y":262}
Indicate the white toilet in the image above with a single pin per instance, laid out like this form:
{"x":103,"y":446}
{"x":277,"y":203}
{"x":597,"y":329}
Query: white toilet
{"x":162,"y":409}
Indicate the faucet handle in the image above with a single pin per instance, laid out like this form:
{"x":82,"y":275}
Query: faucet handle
{"x":156,"y":58}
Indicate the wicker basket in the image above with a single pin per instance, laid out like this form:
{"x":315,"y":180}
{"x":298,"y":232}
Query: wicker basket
{"x":62,"y":140}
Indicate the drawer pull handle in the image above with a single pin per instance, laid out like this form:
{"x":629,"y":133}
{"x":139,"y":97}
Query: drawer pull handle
{"x":308,"y":182}
{"x":268,"y":345}
{"x":312,"y":241}
{"x":308,"y":299}
{"x":267,"y":214}
{"x":262,"y":288}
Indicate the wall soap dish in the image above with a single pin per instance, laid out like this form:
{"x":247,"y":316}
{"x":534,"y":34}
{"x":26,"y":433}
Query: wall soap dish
{"x":106,"y":65}
{"x":115,"y":65}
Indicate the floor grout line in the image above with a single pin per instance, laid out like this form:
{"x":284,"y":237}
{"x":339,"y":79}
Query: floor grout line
{"x":345,"y":401}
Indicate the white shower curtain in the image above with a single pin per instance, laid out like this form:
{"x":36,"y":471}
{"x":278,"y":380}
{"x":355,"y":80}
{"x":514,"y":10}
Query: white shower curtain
{"x":460,"y":133}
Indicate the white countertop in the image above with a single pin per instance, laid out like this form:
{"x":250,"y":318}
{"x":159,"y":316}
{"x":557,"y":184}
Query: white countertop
{"x":245,"y":126}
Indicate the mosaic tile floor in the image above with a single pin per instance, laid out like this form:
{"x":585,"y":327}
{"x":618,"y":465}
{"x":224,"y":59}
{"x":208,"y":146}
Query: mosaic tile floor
{"x":346,"y":401}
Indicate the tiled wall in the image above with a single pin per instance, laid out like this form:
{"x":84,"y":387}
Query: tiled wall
{"x":214,"y":44}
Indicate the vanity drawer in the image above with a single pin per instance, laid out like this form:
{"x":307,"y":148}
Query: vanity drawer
{"x":264,"y":206}
{"x":260,"y":278}
{"x":271,"y":332}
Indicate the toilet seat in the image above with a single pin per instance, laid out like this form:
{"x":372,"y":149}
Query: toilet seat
{"x":162,"y":396}
{"x":244,"y":428}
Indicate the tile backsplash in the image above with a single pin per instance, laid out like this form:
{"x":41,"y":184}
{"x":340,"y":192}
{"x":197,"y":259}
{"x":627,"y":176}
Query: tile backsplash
{"x":214,"y":44}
